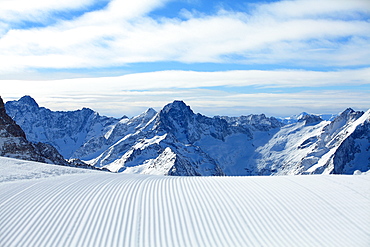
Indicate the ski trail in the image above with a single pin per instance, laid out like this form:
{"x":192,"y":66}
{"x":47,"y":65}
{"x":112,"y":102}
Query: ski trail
{"x":174,"y":212}
{"x":105,"y":209}
{"x":71,"y":216}
{"x":51,"y":219}
{"x":338,"y":206}
{"x":211,"y":203}
{"x":29,"y":222}
{"x":9,"y":191}
{"x":245,"y":206}
{"x":277,"y":204}
{"x":180,"y":211}
{"x":121,"y":227}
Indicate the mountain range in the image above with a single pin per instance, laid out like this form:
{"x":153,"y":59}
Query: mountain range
{"x":177,"y":141}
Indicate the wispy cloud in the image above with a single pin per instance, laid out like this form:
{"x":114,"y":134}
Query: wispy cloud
{"x":207,"y":92}
{"x":206,"y":101}
{"x":192,"y":79}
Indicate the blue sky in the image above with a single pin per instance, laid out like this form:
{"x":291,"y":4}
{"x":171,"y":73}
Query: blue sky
{"x":119,"y":57}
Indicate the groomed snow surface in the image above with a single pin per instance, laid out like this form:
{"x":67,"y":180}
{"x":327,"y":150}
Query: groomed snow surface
{"x":48,"y":205}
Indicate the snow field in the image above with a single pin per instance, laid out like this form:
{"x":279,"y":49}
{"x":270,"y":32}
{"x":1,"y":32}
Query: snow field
{"x":95,"y":208}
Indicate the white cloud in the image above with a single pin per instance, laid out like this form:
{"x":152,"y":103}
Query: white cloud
{"x":314,"y":8}
{"x":302,"y":32}
{"x":18,"y":10}
{"x":192,"y":79}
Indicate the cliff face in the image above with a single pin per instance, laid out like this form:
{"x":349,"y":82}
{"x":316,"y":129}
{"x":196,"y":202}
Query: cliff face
{"x":353,"y":153}
{"x":8,"y":127}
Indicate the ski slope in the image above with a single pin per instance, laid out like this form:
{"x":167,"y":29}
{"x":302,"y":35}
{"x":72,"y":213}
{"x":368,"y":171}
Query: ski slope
{"x":48,"y":205}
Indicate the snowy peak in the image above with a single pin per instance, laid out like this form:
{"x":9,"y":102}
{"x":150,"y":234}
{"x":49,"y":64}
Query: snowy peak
{"x":349,"y":115}
{"x":177,"y":107}
{"x":150,"y":112}
{"x":353,"y":152}
{"x":304,"y":116}
{"x":143,"y":119}
{"x":309,"y":119}
{"x":342,"y":121}
{"x":24,"y":105}
{"x":178,"y":119}
{"x":176,"y":115}
{"x":28,"y":100}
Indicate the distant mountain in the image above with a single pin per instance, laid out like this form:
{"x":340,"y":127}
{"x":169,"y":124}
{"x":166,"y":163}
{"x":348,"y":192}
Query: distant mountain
{"x":176,"y":141}
{"x":296,"y":118}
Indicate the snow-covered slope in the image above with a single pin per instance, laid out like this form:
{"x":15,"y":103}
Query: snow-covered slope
{"x":176,"y":141}
{"x":46,"y":205}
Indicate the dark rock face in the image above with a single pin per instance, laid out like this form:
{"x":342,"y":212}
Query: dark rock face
{"x":13,"y":139}
{"x":353,"y":154}
{"x":8,"y":127}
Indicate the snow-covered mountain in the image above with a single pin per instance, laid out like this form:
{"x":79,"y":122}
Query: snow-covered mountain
{"x":176,"y":141}
{"x":13,"y":143}
{"x":296,"y":118}
{"x":66,"y":131}
{"x":313,"y":146}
